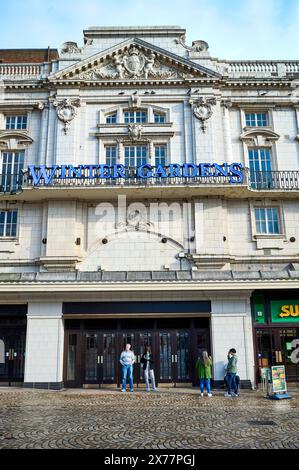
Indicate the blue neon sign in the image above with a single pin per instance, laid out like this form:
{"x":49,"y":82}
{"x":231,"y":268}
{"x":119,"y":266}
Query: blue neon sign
{"x":44,"y":174}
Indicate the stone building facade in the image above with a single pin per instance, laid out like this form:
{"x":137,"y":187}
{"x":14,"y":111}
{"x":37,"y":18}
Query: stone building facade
{"x":149,"y":194}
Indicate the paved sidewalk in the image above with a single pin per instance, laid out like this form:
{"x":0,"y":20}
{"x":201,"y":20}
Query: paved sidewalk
{"x":168,"y":419}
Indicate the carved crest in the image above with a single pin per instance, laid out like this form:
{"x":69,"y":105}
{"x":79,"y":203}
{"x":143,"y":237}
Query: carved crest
{"x":135,"y":131}
{"x":202,"y":109}
{"x":66,"y":111}
{"x":134,"y":64}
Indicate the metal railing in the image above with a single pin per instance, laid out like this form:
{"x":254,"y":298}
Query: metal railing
{"x":255,"y":180}
{"x":91,"y":177}
{"x":273,"y":180}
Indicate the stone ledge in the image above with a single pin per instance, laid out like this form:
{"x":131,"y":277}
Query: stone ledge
{"x":147,"y":276}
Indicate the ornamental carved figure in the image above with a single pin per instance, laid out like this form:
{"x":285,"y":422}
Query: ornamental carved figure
{"x":66,"y":111}
{"x":202,"y":109}
{"x":135,"y":131}
{"x":70,"y":47}
{"x":134,"y":64}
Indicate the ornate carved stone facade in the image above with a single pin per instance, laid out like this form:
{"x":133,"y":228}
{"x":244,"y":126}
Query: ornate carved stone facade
{"x":88,"y":125}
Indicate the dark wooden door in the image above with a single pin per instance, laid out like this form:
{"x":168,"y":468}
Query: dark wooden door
{"x":12,"y":356}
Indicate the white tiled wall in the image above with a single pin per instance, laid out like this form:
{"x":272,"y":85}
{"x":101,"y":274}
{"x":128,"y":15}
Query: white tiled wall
{"x":44,"y":343}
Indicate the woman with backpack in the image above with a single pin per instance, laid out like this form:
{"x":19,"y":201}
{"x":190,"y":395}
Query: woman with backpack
{"x":203,"y":370}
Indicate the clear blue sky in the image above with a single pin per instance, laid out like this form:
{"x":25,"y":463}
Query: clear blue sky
{"x":234,"y":29}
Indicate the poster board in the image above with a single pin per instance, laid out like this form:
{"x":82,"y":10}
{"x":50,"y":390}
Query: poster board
{"x":279,"y":383}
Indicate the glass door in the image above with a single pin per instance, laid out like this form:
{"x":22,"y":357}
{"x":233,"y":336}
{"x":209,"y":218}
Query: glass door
{"x":91,"y":358}
{"x":108,"y":362}
{"x":72,"y":368}
{"x":12,"y":357}
{"x":182,"y":357}
{"x":166,"y":357}
{"x":289,"y":345}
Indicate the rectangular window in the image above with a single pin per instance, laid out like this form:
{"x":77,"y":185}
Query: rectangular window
{"x":111,"y":119}
{"x":260,"y":167}
{"x":12,"y":166}
{"x":160,"y":155}
{"x":267,"y":220}
{"x":110,"y":155}
{"x":135,"y":155}
{"x":16,"y":122}
{"x":8,"y":223}
{"x":135,"y":116}
{"x":160,"y":118}
{"x":257,"y":119}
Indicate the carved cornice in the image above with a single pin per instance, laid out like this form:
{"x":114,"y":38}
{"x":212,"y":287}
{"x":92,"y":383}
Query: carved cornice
{"x":14,"y":140}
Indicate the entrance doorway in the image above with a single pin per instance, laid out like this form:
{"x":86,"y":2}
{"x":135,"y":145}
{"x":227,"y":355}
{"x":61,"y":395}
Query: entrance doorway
{"x":92,"y":354}
{"x":12,"y":356}
{"x":277,"y":346}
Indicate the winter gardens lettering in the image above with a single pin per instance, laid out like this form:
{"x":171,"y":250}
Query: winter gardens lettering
{"x":44,"y":174}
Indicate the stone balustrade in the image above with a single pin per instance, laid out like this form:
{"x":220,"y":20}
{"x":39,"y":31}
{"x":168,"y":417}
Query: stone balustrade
{"x":12,"y":71}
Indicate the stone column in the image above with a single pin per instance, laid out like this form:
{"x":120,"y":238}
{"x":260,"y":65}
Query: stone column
{"x":231,"y":327}
{"x":44,"y":123}
{"x":228,"y":152}
{"x":44,"y":346}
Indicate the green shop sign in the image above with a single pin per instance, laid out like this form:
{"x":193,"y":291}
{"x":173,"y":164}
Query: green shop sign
{"x":259,"y":309}
{"x":284,"y":311}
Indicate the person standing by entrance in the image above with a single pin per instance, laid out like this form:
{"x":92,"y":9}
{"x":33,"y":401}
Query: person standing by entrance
{"x":127,"y":359}
{"x":148,"y":368}
{"x":203,"y":369}
{"x":231,"y":372}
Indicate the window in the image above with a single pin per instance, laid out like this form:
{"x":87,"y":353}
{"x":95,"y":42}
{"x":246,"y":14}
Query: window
{"x":8,"y":223}
{"x":12,"y":166}
{"x":135,"y":155}
{"x":267,"y":220}
{"x":16,"y":122}
{"x":111,"y":118}
{"x":260,"y":167}
{"x":259,"y":119}
{"x":135,"y":116}
{"x":160,"y":155}
{"x":110,"y":155}
{"x":160,"y":118}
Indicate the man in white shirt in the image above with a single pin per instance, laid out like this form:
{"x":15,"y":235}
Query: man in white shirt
{"x":127,"y":359}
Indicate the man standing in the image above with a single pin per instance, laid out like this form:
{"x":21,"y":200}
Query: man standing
{"x":127,"y":359}
{"x":231,"y":373}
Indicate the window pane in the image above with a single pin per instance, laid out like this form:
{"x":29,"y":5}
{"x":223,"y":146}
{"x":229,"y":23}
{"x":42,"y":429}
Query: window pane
{"x":8,"y":223}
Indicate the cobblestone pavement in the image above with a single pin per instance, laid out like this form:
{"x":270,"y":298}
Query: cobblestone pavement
{"x":170,"y":419}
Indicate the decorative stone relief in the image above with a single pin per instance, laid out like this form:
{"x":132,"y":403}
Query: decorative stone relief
{"x":70,"y":48}
{"x":135,"y":220}
{"x":134,"y":64}
{"x":135,"y":101}
{"x":135,"y":131}
{"x":198,"y":48}
{"x":66,"y":110}
{"x":14,"y":140}
{"x":259,"y":137}
{"x":202,"y":109}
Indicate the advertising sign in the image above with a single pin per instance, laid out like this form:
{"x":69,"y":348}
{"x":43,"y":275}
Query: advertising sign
{"x":43,"y":174}
{"x":259,"y":309}
{"x":279,"y":379}
{"x":284,"y":311}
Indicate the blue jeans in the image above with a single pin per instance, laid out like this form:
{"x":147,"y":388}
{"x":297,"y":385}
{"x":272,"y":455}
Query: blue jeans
{"x":203,"y":383}
{"x":231,"y":383}
{"x":127,"y":369}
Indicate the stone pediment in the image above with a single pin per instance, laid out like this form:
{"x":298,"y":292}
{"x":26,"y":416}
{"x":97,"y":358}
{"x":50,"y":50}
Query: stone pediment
{"x":134,"y":60}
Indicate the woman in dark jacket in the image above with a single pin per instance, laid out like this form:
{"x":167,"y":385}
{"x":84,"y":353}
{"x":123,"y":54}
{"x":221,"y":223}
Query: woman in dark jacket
{"x":148,"y":367}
